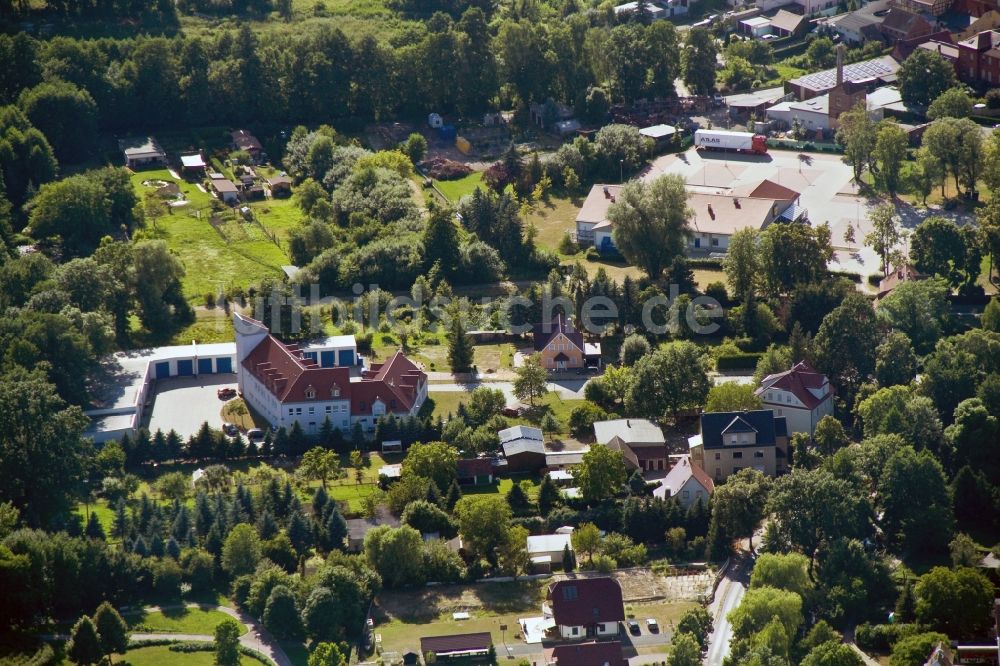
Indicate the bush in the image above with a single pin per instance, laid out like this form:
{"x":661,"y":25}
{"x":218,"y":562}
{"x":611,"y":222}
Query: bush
{"x":881,"y":637}
{"x":440,"y":168}
{"x":592,"y":254}
{"x":717,"y":290}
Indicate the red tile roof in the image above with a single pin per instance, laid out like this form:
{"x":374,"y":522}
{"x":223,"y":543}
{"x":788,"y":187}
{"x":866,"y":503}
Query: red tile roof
{"x":289,"y":376}
{"x":798,"y":381}
{"x":589,"y":654}
{"x":586,"y":601}
{"x":456,"y":643}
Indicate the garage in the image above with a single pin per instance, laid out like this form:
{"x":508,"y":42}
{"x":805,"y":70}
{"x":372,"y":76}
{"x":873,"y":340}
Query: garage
{"x":223,"y":365}
{"x":204,"y":366}
{"x":346,"y":357}
{"x":327,"y":359}
{"x":162,"y":369}
{"x":185,"y":367}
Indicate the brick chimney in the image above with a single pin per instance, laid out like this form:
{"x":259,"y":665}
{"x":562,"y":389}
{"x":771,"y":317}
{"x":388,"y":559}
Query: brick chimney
{"x":840,"y":64}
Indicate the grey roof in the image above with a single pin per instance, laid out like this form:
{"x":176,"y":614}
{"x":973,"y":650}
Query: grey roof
{"x":630,"y":431}
{"x":738,"y":425}
{"x":867,"y":70}
{"x":523,"y":445}
{"x":137,"y":146}
{"x":768,"y":428}
{"x":520,"y":432}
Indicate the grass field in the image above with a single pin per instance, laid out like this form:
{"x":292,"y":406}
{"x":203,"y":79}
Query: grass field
{"x":446,"y":403}
{"x":456,"y":189}
{"x":220,"y":249}
{"x":179,"y":621}
{"x":161,"y":654}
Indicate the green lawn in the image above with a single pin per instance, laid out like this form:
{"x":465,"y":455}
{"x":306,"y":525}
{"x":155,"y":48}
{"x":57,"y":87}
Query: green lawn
{"x":179,"y":621}
{"x":161,"y":654}
{"x":446,"y":402}
{"x":231,"y":251}
{"x":456,"y":189}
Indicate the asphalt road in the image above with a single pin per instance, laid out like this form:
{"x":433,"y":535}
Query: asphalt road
{"x":727,"y":597}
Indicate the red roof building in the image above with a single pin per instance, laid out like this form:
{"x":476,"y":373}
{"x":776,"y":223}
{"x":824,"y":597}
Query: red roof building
{"x":284,"y":384}
{"x":586,"y":607}
{"x":802,"y":395}
{"x":605,"y":653}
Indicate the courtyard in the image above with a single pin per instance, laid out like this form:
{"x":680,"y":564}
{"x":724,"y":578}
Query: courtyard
{"x":184,"y":403}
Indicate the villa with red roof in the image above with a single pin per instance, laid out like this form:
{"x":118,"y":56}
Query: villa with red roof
{"x":285,"y":383}
{"x":802,"y":395}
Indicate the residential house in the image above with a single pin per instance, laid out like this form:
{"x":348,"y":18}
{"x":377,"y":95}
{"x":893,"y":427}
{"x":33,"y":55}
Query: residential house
{"x":247,"y":142}
{"x":641,"y":442}
{"x":585,"y":607}
{"x":523,"y":448}
{"x":870,"y":73}
{"x":562,"y":347}
{"x":979,"y":59}
{"x":862,"y":25}
{"x":457,"y":646}
{"x":813,"y":7}
{"x":284,"y":385}
{"x":546,"y":551}
{"x":687,"y":483}
{"x":475,"y":472}
{"x":358,"y":528}
{"x":802,"y":395}
{"x":731,"y":441}
{"x":225,"y":190}
{"x":932,"y":7}
{"x":593,"y":653}
{"x":594,"y":213}
{"x":755,"y":26}
{"x":900,"y":24}
{"x":140,"y":152}
{"x":940,"y":43}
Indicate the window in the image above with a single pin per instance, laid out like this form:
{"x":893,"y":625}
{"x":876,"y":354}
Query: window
{"x":715,"y":242}
{"x":312,"y":410}
{"x":758,"y":454}
{"x":298,"y":411}
{"x":737,"y":455}
{"x":290,"y":411}
{"x":686,"y":494}
{"x":569,"y":593}
{"x":329,"y":409}
{"x":576,"y":631}
{"x":733,"y":439}
{"x":718,"y":456}
{"x":335,"y":391}
{"x":310,"y":393}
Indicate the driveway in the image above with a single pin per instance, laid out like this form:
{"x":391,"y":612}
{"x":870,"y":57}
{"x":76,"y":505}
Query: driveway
{"x":184,"y":403}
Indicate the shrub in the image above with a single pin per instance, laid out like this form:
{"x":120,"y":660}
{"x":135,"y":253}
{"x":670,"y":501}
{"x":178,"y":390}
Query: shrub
{"x":737,"y":361}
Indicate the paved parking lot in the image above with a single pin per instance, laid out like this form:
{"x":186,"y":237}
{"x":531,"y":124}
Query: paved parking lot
{"x":823,"y":180}
{"x":184,"y":403}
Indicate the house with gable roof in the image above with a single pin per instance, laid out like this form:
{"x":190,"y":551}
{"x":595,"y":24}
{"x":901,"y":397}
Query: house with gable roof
{"x":686,"y":482}
{"x":562,"y":347}
{"x":731,"y":441}
{"x":285,"y":384}
{"x":802,"y":395}
{"x":585,"y":607}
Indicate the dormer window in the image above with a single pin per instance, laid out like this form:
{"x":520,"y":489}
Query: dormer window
{"x":310,"y":393}
{"x":335,"y":391}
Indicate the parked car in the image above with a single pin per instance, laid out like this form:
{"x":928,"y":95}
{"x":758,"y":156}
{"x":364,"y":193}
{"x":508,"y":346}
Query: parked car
{"x":230,"y":429}
{"x":652,"y":625}
{"x":633,"y":627}
{"x":255,"y":434}
{"x":226,"y":393}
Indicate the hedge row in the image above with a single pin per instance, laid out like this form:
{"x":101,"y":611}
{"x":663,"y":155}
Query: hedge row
{"x":747,"y":361}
